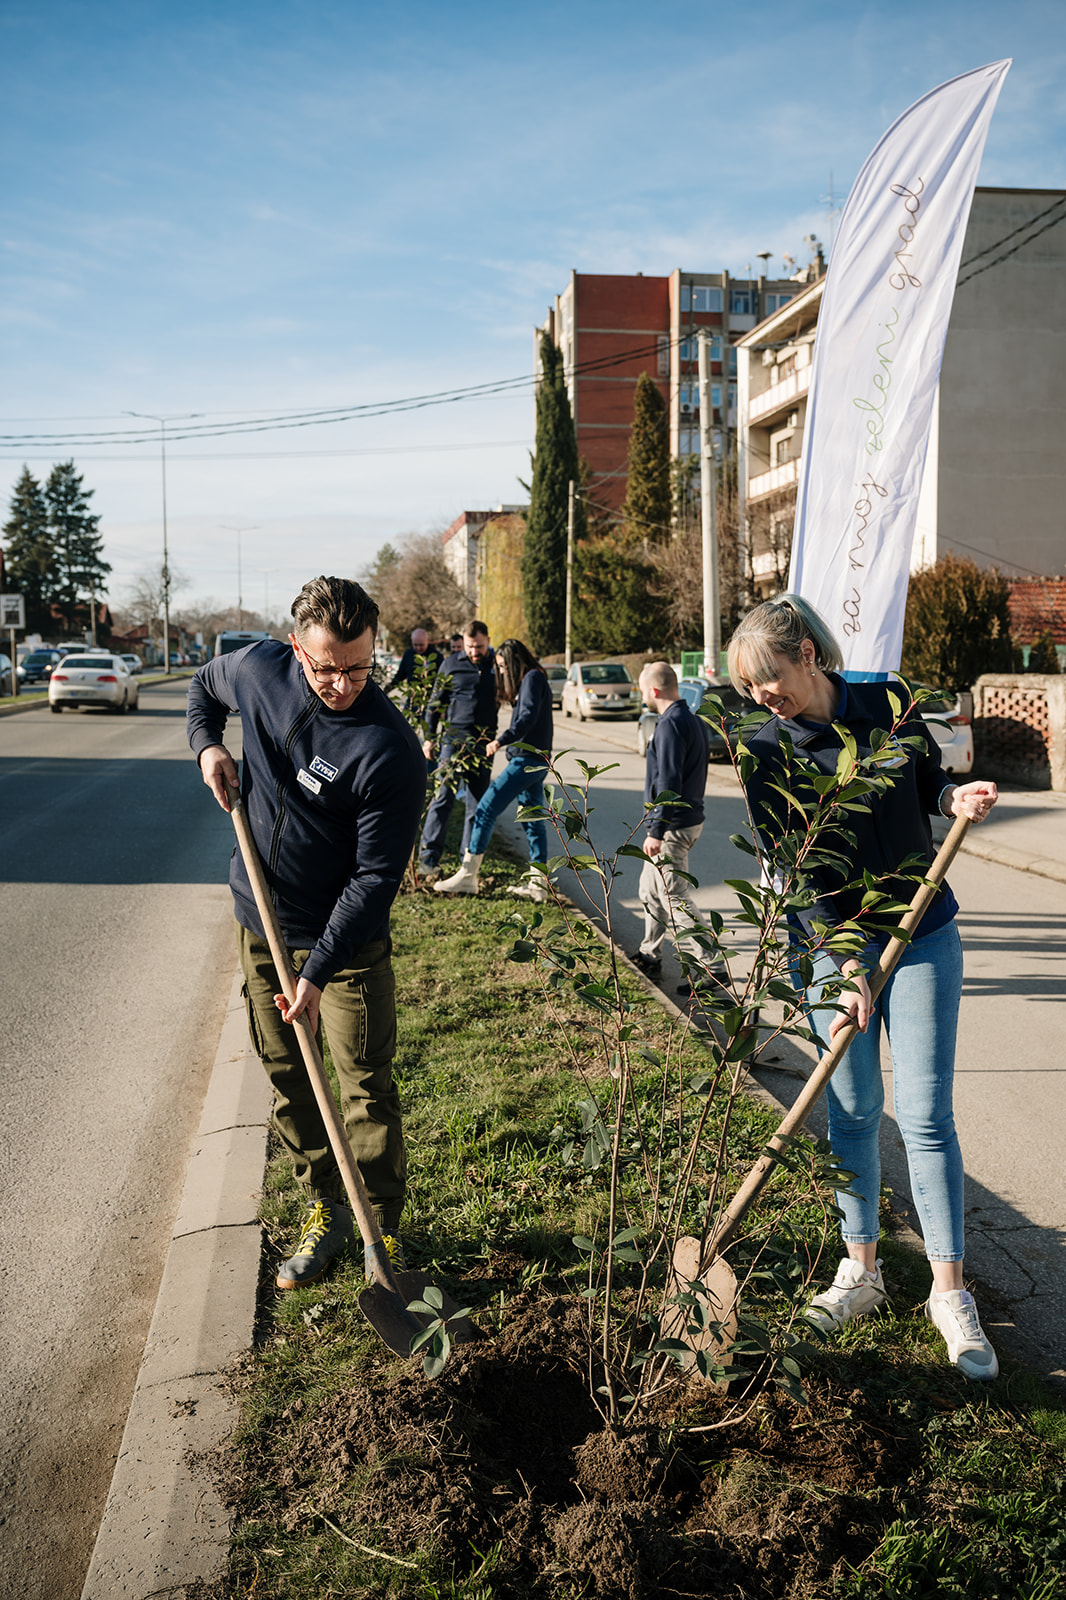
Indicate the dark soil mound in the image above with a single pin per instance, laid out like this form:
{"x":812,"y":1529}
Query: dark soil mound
{"x":506,"y":1448}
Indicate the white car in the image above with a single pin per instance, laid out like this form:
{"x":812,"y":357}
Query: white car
{"x":950,"y":728}
{"x":93,"y":679}
{"x":600,"y":689}
{"x":134,"y":663}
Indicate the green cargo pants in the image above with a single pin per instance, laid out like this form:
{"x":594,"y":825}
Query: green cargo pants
{"x":358,"y":1017}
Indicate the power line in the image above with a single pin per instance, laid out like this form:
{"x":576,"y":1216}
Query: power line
{"x":1013,"y":251}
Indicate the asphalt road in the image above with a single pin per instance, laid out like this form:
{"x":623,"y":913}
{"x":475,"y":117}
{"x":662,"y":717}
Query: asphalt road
{"x":1010,"y":1086}
{"x":117,"y":960}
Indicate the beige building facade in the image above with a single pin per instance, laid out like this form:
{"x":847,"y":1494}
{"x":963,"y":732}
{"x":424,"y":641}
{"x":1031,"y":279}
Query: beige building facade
{"x":995,"y":481}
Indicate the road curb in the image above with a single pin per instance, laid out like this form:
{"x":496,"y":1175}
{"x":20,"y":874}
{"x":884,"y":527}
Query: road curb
{"x":164,"y":1527}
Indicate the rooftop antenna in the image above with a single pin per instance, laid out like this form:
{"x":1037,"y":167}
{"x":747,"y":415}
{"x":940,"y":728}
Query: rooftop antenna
{"x":834,"y":211}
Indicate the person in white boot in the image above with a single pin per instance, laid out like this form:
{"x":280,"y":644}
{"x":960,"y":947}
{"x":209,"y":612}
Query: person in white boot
{"x":522,"y":684}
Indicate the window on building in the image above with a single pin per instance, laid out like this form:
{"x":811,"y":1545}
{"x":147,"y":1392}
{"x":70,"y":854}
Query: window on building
{"x":688,"y":442}
{"x":783,"y":451}
{"x":689,"y":396}
{"x":700,"y":297}
{"x":787,"y":367}
{"x":732,"y":358}
{"x":664,"y":356}
{"x":774,"y":302}
{"x":716,"y":395}
{"x":689,"y":349}
{"x":740,"y":302}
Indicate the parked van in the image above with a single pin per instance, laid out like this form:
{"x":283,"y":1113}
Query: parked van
{"x":234,"y":640}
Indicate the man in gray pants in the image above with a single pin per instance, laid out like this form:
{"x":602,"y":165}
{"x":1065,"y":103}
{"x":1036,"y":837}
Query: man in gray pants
{"x":676,"y":762}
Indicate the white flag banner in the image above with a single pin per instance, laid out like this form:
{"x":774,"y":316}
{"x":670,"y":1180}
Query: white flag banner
{"x":881,"y":331}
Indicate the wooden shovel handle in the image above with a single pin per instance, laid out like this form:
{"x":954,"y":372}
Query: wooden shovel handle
{"x":354,"y":1186}
{"x":798,"y":1112}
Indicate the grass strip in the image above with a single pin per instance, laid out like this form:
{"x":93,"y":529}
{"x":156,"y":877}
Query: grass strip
{"x":962,"y":1492}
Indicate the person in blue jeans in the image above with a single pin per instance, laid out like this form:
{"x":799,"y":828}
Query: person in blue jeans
{"x":522,"y":684}
{"x":783,"y":656}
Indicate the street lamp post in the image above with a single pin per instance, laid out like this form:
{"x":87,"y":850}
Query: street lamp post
{"x":162,"y":421}
{"x":267,"y":572}
{"x":240,"y":597}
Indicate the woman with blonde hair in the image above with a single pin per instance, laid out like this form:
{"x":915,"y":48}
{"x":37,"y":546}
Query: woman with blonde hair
{"x":521,"y":683}
{"x":784,"y":657}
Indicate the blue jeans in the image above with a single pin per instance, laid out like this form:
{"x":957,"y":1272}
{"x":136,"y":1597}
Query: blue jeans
{"x":919,"y":1009}
{"x":473,"y":782}
{"x":520,"y":782}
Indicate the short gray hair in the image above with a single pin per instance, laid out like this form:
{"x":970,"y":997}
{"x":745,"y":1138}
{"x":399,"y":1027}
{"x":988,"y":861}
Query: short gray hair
{"x":776,"y":628}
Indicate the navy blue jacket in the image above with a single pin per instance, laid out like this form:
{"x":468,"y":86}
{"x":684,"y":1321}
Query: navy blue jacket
{"x":677,"y":760}
{"x":334,"y":800}
{"x":531,"y":719}
{"x":464,"y":697}
{"x":888,"y":828}
{"x":406,"y":669}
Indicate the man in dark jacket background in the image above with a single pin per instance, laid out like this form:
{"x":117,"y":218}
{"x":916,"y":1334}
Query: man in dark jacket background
{"x":676,"y":762}
{"x":333,"y":785}
{"x":419,"y":647}
{"x":461,"y":718}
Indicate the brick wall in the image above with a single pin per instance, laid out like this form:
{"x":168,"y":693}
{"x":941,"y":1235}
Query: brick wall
{"x":1019,"y":726}
{"x":1037,"y":605}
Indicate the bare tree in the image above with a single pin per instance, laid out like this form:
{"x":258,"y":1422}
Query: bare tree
{"x":142,"y":602}
{"x":414,"y":588}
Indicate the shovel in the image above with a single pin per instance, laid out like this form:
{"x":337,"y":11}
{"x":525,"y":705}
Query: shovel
{"x":698,"y":1268}
{"x":386,"y":1302}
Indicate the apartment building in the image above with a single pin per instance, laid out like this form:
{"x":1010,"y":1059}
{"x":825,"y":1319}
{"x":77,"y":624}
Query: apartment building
{"x":612,"y":327}
{"x":995,"y":480}
{"x":461,"y":539}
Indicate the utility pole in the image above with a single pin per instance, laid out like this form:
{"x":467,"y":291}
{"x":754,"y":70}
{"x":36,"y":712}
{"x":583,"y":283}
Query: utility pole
{"x":162,"y":421}
{"x":569,"y":567}
{"x":240,"y":596}
{"x":712,"y":625}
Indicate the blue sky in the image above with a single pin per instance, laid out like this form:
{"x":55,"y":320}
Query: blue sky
{"x":236,"y":210}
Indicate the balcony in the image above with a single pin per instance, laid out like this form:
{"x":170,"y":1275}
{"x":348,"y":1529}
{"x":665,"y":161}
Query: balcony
{"x":772,"y":482}
{"x":779,"y":396}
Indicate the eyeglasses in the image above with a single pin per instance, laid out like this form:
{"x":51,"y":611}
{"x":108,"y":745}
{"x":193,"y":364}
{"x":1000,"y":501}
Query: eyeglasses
{"x":323,"y":674}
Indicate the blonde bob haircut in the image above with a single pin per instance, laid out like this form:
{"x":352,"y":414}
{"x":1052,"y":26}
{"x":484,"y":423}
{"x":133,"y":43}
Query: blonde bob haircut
{"x":777,"y":628}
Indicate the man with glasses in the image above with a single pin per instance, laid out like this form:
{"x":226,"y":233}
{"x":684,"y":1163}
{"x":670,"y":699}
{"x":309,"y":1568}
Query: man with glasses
{"x":333,"y":785}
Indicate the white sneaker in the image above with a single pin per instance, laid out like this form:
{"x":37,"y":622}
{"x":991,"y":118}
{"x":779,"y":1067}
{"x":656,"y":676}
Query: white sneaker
{"x":462,"y":882}
{"x":533,"y":887}
{"x":955,"y":1314}
{"x":854,"y":1293}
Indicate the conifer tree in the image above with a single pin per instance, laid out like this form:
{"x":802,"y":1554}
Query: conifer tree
{"x":78,"y":567}
{"x":646,"y":509}
{"x":28,"y":551}
{"x":554,"y":465}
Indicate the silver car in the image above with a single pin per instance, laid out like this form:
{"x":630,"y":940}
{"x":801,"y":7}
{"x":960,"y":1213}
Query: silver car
{"x":600,"y":689}
{"x":93,"y":679}
{"x":695,"y":691}
{"x":556,"y":677}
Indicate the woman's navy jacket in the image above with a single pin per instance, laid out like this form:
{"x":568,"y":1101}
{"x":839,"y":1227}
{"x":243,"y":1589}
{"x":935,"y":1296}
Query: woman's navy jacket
{"x":889,"y":827}
{"x":531,"y":719}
